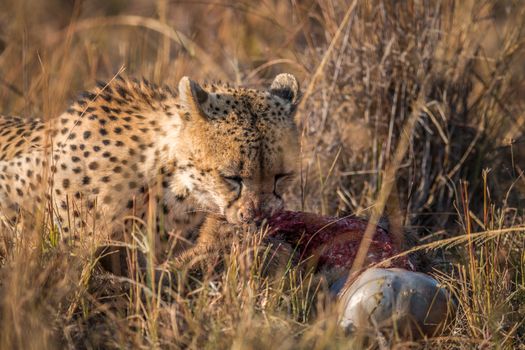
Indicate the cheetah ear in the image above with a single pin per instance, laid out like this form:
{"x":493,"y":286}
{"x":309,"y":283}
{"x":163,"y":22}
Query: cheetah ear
{"x":286,"y":87}
{"x":192,"y":95}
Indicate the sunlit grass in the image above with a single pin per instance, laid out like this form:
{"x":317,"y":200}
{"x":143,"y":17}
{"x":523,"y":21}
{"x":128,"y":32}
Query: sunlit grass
{"x":411,"y":111}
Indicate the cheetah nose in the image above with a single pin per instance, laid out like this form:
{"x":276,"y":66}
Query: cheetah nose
{"x":246,"y":215}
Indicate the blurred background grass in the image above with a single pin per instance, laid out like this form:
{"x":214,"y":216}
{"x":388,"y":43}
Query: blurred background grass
{"x":456,"y":66}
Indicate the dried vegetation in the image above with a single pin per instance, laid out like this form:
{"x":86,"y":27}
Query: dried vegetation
{"x":412,"y":110}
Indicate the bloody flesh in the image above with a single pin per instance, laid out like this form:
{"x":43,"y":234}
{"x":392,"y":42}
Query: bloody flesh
{"x":333,"y":242}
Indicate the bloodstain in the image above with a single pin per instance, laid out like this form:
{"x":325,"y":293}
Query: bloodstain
{"x":333,"y":242}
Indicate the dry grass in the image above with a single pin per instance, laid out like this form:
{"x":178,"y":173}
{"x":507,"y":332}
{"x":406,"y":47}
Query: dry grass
{"x":412,"y":109}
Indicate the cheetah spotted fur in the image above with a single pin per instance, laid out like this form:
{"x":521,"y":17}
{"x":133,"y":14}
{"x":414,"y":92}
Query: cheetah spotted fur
{"x":210,"y":153}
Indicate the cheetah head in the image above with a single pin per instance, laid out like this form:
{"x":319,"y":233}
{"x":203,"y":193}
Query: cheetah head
{"x":241,"y":146}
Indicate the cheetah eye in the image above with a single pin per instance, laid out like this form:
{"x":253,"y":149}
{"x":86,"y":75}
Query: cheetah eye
{"x":234,"y":181}
{"x":283,"y":176}
{"x":280,"y":179}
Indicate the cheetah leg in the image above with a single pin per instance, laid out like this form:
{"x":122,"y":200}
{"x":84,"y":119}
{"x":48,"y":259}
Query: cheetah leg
{"x":214,"y":238}
{"x":214,"y":242}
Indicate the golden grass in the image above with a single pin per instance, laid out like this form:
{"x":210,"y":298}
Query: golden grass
{"x":412,"y":110}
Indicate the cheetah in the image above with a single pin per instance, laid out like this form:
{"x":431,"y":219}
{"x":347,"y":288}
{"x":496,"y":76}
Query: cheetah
{"x":205,"y":156}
